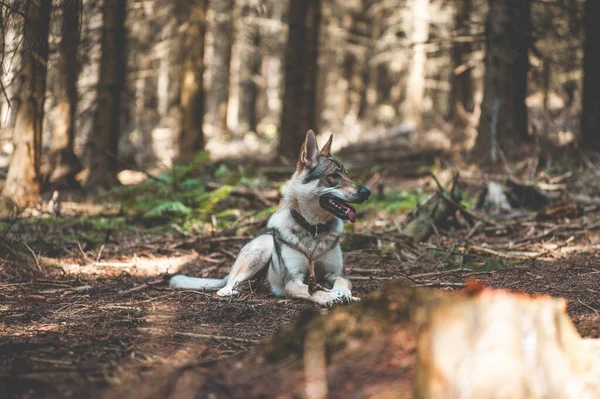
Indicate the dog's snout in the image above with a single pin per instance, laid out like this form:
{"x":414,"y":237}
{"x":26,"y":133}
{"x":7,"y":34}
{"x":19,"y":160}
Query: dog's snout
{"x":364,"y":193}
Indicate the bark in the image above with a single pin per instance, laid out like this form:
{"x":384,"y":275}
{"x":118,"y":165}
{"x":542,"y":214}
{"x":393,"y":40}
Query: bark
{"x":590,"y":116}
{"x":503,"y":122}
{"x":221,"y":61}
{"x":106,"y":126}
{"x":461,"y":92}
{"x":191,"y":136}
{"x":412,"y":107}
{"x":22,"y":183}
{"x":64,"y":163}
{"x":299,"y":112}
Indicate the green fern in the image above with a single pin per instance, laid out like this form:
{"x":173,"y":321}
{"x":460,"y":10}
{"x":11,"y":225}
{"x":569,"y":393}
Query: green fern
{"x":167,"y":209}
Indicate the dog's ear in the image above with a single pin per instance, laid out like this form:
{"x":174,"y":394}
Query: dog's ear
{"x":309,"y":154}
{"x":327,"y":147}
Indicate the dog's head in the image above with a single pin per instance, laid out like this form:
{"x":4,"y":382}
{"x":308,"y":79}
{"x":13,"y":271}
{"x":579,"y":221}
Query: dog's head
{"x":322,"y":181}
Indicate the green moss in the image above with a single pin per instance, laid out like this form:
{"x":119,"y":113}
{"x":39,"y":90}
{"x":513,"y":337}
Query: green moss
{"x":395,"y":202}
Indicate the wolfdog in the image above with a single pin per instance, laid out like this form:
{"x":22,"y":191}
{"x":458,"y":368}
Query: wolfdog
{"x":302,"y":237}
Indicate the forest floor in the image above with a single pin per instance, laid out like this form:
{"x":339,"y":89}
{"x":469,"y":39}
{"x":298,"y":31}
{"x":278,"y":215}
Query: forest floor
{"x":85,"y":307}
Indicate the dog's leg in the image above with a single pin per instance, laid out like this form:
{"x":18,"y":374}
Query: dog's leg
{"x":298,"y":290}
{"x":287,"y":275}
{"x":252,"y":258}
{"x":332,"y":265}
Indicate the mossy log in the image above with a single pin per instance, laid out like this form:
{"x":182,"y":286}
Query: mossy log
{"x":435,"y":211}
{"x":403,"y":342}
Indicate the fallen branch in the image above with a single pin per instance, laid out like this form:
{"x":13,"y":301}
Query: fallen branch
{"x":216,"y":337}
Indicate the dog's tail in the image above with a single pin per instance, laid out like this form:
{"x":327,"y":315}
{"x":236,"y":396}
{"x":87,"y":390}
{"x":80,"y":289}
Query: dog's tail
{"x":196,"y":283}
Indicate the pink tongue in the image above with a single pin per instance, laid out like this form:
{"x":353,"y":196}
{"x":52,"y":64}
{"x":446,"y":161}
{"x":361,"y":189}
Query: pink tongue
{"x":351,"y":215}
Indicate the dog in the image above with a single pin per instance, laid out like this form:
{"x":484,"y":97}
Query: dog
{"x":302,"y":236}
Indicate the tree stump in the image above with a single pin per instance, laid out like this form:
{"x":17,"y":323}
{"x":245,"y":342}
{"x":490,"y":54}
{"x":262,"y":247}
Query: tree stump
{"x":499,"y":344}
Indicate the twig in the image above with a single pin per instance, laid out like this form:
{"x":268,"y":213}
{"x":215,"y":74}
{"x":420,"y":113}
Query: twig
{"x":587,"y":306}
{"x":442,"y":273}
{"x":474,"y":229}
{"x":99,"y":253}
{"x":225,"y":239}
{"x":440,"y":284}
{"x":35,"y":257}
{"x":367,"y":271}
{"x":537,"y":236}
{"x":134,"y":289}
{"x":216,"y":337}
{"x":513,"y":255}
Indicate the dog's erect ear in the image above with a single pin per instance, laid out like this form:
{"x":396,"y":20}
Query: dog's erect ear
{"x":327,"y":147}
{"x":309,"y":155}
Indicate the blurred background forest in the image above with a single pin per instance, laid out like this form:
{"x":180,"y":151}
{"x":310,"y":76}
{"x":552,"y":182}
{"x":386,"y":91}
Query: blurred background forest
{"x":143,"y":138}
{"x":91,"y":88}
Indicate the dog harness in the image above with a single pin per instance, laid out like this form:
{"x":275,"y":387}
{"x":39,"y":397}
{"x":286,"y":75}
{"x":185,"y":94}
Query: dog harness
{"x":314,"y":230}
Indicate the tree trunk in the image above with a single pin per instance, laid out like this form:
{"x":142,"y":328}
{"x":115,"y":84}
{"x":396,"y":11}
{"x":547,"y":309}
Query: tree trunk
{"x":191,"y":137}
{"x":412,"y":109}
{"x":251,"y":62}
{"x":64,"y":164}
{"x":106,"y":130}
{"x":22,"y":183}
{"x":301,"y":66}
{"x":221,"y":61}
{"x":372,"y":93}
{"x":461,"y":91}
{"x":503,"y":122}
{"x":590,"y":115}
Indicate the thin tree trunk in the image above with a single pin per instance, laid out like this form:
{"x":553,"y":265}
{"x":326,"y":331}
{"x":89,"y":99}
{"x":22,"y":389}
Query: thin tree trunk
{"x":503,"y":122}
{"x":461,"y":91}
{"x":372,"y":95}
{"x":191,"y":137}
{"x":221,"y":60}
{"x":273,"y":68}
{"x":23,"y":180}
{"x":412,"y":108}
{"x":106,"y":130}
{"x":63,"y":161}
{"x":251,"y":62}
{"x":590,"y":115}
{"x":301,"y":65}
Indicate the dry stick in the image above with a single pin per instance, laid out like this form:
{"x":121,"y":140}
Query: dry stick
{"x":520,"y":255}
{"x":35,"y":257}
{"x":474,"y":229}
{"x":216,"y":337}
{"x":134,"y":289}
{"x":435,"y":274}
{"x":225,"y":239}
{"x":537,"y":236}
{"x":587,"y":306}
{"x":368,"y":271}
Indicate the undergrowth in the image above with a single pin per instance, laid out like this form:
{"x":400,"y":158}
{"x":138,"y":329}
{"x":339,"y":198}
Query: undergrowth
{"x":181,"y":196}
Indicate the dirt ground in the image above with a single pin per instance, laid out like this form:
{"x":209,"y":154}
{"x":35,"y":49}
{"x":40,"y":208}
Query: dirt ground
{"x":81,"y":319}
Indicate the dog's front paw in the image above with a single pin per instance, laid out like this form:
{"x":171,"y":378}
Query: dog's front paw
{"x":341,"y":296}
{"x":226,"y":292}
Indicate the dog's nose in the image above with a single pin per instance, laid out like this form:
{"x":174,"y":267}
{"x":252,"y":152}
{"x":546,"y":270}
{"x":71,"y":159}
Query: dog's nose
{"x":364,"y":193}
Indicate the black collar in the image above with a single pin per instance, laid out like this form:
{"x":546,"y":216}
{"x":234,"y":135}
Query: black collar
{"x":313,"y":229}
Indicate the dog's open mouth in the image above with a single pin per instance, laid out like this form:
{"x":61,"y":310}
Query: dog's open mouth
{"x":338,"y":207}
